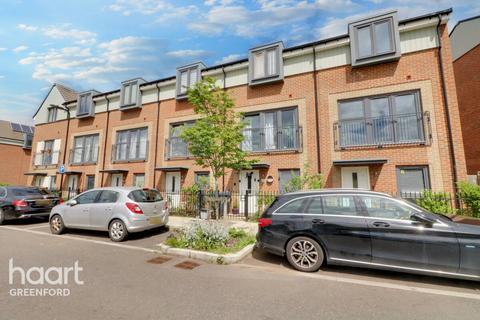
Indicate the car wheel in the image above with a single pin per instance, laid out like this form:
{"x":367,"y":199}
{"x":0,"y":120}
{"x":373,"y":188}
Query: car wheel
{"x":117,"y":231}
{"x":56,"y":225}
{"x":304,"y":254}
{"x":2,"y":217}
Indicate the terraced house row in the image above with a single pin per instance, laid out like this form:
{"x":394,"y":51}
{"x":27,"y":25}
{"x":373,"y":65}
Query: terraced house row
{"x":375,"y":108}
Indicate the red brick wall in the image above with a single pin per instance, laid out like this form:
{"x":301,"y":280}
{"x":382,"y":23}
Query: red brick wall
{"x":467,"y":79}
{"x":15,"y":162}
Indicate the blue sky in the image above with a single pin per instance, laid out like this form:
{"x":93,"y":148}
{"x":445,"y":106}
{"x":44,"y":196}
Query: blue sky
{"x":98,"y":44}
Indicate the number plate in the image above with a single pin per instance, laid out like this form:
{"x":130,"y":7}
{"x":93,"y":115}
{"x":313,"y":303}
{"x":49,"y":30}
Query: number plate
{"x":155,"y":220}
{"x":43,"y":203}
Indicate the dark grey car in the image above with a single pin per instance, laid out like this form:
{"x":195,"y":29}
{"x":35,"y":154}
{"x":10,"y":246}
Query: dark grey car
{"x":367,"y":229}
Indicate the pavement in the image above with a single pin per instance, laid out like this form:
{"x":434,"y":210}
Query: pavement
{"x":121,"y":283}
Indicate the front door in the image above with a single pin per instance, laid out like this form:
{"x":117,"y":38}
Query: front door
{"x":72,"y":186}
{"x":172,"y":188}
{"x":249,"y":182}
{"x":355,"y":178}
{"x":117,"y":179}
{"x":398,"y":240}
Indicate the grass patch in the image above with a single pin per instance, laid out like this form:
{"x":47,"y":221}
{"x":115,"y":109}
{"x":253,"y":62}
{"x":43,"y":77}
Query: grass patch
{"x":210,"y":237}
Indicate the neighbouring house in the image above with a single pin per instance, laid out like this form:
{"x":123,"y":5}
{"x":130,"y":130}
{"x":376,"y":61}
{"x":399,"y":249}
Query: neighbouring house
{"x":375,"y":108}
{"x":465,"y":40}
{"x":15,"y":152}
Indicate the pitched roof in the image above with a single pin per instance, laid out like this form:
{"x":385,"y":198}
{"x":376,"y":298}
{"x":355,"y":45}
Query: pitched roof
{"x":6,"y":131}
{"x":67,"y":93}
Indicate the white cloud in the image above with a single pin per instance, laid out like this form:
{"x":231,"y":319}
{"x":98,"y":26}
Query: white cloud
{"x":164,"y":10}
{"x":188,"y":53}
{"x":229,"y":58}
{"x":20,"y":49}
{"x":2,"y":77}
{"x":26,"y":27}
{"x":3,"y":49}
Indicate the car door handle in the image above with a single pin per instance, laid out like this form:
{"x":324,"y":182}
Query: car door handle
{"x":381,"y":224}
{"x":318,"y":221}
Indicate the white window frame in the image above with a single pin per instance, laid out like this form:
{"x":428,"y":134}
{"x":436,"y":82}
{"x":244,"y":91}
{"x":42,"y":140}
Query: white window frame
{"x":277,"y":49}
{"x":180,"y":92}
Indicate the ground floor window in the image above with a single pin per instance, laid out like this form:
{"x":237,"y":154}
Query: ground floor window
{"x":90,"y":182}
{"x":139,"y":180}
{"x":284,"y":177}
{"x":202,"y":179}
{"x":412,"y":179}
{"x":53,"y":183}
{"x":38,"y":181}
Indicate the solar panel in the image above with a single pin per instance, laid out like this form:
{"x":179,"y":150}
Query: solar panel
{"x":25,"y":129}
{"x":16,"y":127}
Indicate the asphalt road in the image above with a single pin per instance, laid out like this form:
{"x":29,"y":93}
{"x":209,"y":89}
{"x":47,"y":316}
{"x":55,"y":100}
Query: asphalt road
{"x":120,"y":283}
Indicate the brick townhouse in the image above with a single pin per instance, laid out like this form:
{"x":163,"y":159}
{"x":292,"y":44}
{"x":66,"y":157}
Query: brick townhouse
{"x":465,"y":39}
{"x":15,"y":152}
{"x":374,"y":108}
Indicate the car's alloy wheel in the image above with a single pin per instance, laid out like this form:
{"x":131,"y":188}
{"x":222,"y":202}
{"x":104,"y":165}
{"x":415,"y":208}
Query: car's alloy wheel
{"x":56,"y":225}
{"x":304,"y":254}
{"x":118,"y":231}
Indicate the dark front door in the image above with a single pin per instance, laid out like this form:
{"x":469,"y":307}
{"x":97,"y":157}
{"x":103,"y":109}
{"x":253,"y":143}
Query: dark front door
{"x":399,"y":241}
{"x":340,"y":226}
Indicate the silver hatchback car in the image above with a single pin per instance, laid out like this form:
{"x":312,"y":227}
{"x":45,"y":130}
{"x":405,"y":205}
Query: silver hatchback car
{"x":118,"y":210}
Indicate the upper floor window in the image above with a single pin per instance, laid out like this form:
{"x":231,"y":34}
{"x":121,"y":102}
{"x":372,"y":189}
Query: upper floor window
{"x":271,"y":130}
{"x":27,"y":140}
{"x":47,"y":153}
{"x":379,"y":120}
{"x":187,"y":76}
{"x":52,"y":114}
{"x":130,"y":94}
{"x":266,"y":63}
{"x":176,"y":147}
{"x":85,"y":107}
{"x":85,"y":149}
{"x":374,"y":39}
{"x":131,"y":145}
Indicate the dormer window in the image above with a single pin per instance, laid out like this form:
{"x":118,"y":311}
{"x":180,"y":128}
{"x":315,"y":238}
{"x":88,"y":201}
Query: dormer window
{"x":375,"y":39}
{"x":266,"y":64}
{"x":130,"y":94}
{"x":187,"y":76}
{"x":85,"y":106}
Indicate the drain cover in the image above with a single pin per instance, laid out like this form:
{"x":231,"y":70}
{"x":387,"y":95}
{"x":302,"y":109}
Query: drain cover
{"x":159,"y":260}
{"x":188,"y":265}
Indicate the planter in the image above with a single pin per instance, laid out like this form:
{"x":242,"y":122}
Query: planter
{"x":209,"y":257}
{"x":204,"y":214}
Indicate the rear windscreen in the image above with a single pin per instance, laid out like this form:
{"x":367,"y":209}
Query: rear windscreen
{"x":150,"y":195}
{"x":26,"y":192}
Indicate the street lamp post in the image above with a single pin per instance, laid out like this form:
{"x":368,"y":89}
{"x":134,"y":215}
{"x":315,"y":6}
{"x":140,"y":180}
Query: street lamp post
{"x":66,"y":138}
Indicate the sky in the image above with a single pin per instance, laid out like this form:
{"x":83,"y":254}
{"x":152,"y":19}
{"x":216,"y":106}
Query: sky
{"x":98,"y":44}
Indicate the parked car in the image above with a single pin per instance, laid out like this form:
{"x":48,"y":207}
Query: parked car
{"x":367,"y":229}
{"x":118,"y":210}
{"x":19,"y":202}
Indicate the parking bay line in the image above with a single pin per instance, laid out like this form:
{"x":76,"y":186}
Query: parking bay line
{"x":112,"y":244}
{"x":380,"y":284}
{"x":37,"y":227}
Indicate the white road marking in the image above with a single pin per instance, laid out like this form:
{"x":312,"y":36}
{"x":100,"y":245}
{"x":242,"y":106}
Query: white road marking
{"x":372,"y":283}
{"x":37,"y":227}
{"x":112,"y":244}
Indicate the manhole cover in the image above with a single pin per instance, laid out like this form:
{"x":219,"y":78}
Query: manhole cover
{"x":159,"y":260}
{"x":188,"y":265}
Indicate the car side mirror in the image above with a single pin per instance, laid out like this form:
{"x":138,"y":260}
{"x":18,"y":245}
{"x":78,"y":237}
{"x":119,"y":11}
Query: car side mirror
{"x":419,"y":219}
{"x":72,"y":203}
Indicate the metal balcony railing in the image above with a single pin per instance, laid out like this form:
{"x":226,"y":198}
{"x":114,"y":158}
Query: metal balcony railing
{"x":413,"y":128}
{"x":81,"y":155}
{"x":176,"y":147}
{"x":125,"y":152}
{"x":272,"y":139}
{"x":45,"y":158}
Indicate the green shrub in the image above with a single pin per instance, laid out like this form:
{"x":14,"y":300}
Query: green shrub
{"x":436,"y":202}
{"x":236,"y":233}
{"x":470,"y":195}
{"x":2,"y":184}
{"x":305,"y":181}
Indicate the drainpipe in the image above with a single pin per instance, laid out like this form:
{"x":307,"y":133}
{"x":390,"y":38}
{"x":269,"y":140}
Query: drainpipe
{"x":66,"y":142}
{"x":106,"y":138}
{"x":315,"y":90}
{"x":447,"y":112}
{"x":156,"y":135}
{"x":224,"y":87}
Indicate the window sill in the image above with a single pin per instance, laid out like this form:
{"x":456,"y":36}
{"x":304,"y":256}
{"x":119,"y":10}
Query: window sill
{"x":129,"y":161}
{"x":129,"y":106}
{"x":83,"y":164}
{"x":265,"y":80}
{"x":274,"y":151}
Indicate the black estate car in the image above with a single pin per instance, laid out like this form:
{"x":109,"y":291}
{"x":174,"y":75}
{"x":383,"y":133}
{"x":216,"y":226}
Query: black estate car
{"x":24,"y":202}
{"x":367,"y":229}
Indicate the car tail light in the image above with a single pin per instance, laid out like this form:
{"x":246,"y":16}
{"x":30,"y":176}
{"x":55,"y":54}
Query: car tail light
{"x":61,"y":201}
{"x":133,"y":207}
{"x":264,"y":222}
{"x":20,"y":203}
